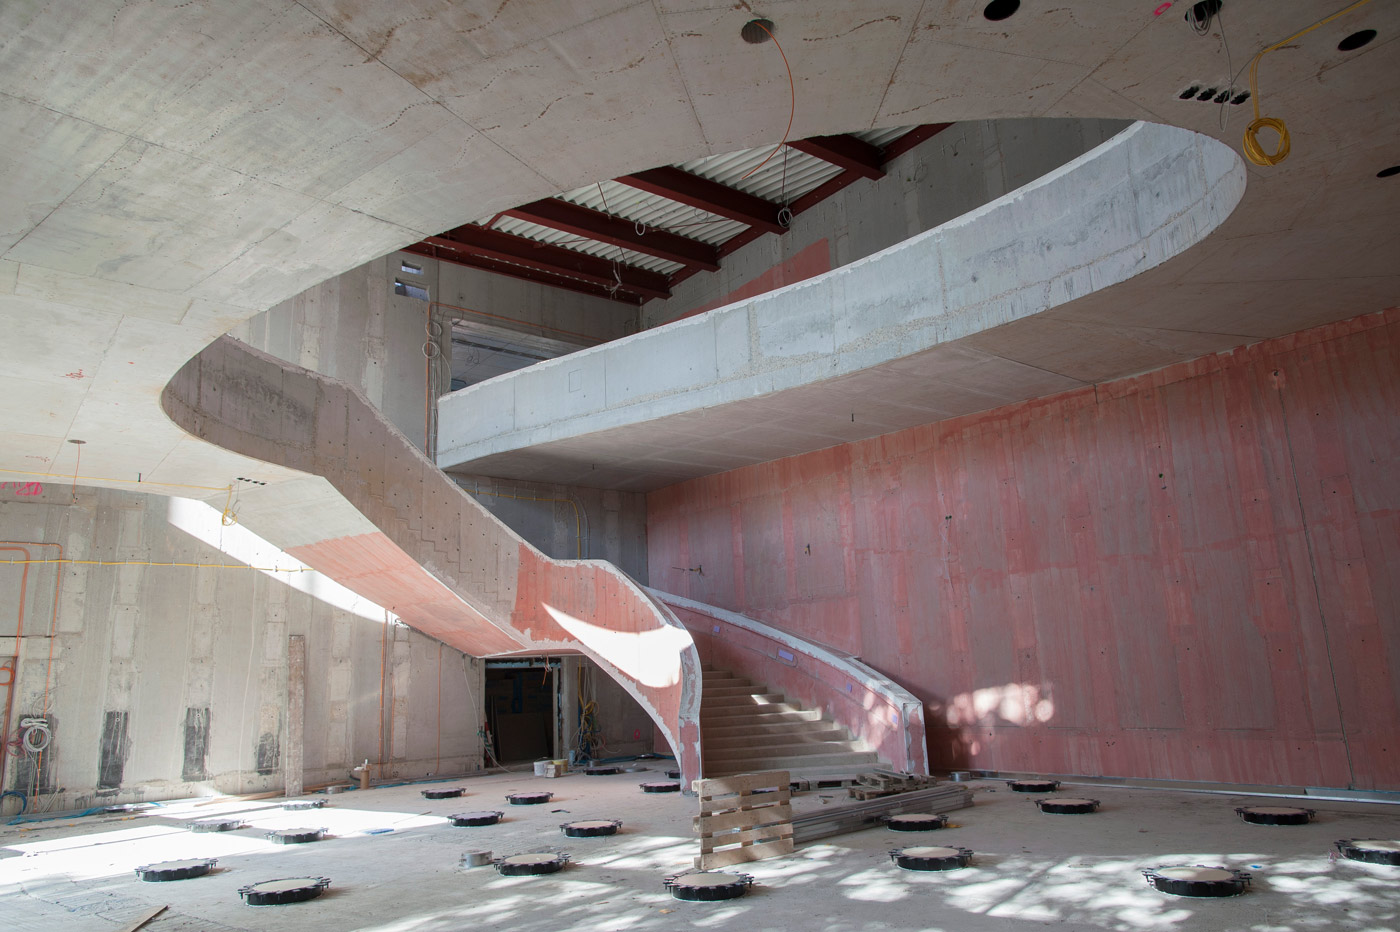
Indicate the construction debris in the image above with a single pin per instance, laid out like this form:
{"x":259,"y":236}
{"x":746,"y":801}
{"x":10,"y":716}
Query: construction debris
{"x":879,"y":783}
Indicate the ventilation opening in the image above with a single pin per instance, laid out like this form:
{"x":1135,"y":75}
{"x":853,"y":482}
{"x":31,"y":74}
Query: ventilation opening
{"x":410,"y":290}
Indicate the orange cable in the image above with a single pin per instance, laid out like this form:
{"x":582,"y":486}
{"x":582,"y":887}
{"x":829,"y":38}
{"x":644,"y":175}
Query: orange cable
{"x":791,"y":87}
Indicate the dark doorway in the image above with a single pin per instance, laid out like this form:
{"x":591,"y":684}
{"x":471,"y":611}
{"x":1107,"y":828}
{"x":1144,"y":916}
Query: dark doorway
{"x":520,"y":709}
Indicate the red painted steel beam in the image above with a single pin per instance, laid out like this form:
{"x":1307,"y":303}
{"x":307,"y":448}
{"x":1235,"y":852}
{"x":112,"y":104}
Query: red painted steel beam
{"x":494,"y":244}
{"x":848,"y":152}
{"x":596,"y":225}
{"x":681,"y":186}
{"x":522,"y":273}
{"x":911,"y":139}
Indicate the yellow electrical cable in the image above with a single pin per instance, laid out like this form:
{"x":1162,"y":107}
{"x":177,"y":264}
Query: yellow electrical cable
{"x":172,"y":485}
{"x":1253,"y":150}
{"x":151,"y":563}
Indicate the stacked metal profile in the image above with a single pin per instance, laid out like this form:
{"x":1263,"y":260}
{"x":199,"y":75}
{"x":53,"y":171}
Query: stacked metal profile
{"x":837,"y":820}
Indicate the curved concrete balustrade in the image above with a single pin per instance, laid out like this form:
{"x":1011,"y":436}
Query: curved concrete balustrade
{"x":875,"y":709}
{"x":787,"y":371}
{"x":438,"y":559}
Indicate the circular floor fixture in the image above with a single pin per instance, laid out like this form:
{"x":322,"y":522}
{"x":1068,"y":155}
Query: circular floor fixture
{"x":757,"y":31}
{"x":706,"y":886}
{"x":1357,"y":39}
{"x":533,"y":864}
{"x":476,"y":819}
{"x":1033,"y":786}
{"x":1065,"y":805}
{"x":284,"y":890}
{"x":931,"y":858}
{"x":602,"y":771}
{"x":1197,"y":880}
{"x":673,"y":775}
{"x":443,"y":794}
{"x":529,"y":799}
{"x":216,"y":825}
{"x":660,"y":787}
{"x":916,"y":822}
{"x":1390,"y":172}
{"x":295,"y":836}
{"x":1275,"y":815}
{"x":176,"y":870}
{"x":296,"y":804}
{"x":1370,"y":850}
{"x":998,"y":10}
{"x":591,"y":828}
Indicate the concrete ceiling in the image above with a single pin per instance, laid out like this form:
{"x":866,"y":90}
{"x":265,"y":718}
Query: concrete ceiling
{"x":168,"y":168}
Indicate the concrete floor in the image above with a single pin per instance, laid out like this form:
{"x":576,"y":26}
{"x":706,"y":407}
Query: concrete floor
{"x":1030,"y":870}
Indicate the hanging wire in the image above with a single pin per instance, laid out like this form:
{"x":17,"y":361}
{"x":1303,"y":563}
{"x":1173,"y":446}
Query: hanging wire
{"x":792,"y":88}
{"x":1253,"y":149}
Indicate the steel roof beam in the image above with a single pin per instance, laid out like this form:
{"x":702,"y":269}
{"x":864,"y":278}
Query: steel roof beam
{"x":681,"y":186}
{"x":494,"y":244}
{"x":539,"y":277}
{"x":596,"y":225}
{"x":848,"y":152}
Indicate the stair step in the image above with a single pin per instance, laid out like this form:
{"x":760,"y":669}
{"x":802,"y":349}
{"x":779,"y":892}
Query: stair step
{"x":741,"y":699}
{"x":792,"y":732}
{"x":816,"y":748}
{"x":712,"y":682}
{"x":727,"y":718}
{"x":810,"y":761}
{"x":746,"y":690}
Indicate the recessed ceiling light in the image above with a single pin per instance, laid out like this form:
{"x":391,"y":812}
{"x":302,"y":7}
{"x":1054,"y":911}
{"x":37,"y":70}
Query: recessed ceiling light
{"x":1357,"y":39}
{"x":757,"y":31}
{"x":1000,"y":9}
{"x":80,"y":442}
{"x":1390,"y":172}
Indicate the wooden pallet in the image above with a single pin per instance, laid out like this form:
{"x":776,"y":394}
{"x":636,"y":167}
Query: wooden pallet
{"x":743,"y":818}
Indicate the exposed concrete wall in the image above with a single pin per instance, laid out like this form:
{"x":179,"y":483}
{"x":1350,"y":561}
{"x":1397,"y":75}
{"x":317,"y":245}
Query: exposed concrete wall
{"x":569,"y":522}
{"x":963,"y":167}
{"x":170,"y":681}
{"x":1189,"y":575}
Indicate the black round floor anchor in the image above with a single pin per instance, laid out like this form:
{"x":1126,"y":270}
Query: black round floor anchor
{"x":602,"y":771}
{"x":707,"y":886}
{"x":1067,"y":805}
{"x":591,"y":828}
{"x":443,"y":794}
{"x":529,"y":799}
{"x":283,"y":890}
{"x":1197,"y":880}
{"x":531,"y":864}
{"x":673,"y":775}
{"x":176,"y":870}
{"x":931,"y":858}
{"x":916,"y":822}
{"x":1370,"y":850}
{"x":660,"y":787}
{"x":296,"y":804}
{"x":1275,"y":815}
{"x":295,"y":836}
{"x":1033,"y":786}
{"x":216,"y":825}
{"x":476,"y":819}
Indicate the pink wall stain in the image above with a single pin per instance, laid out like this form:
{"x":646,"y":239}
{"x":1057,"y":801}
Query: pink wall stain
{"x":806,"y":263}
{"x":1192,"y":574}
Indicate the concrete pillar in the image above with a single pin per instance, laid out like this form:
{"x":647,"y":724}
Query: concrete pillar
{"x":296,"y":715}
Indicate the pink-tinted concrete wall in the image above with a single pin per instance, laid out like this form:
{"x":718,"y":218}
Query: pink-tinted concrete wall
{"x":808,"y":263}
{"x":1193,"y":574}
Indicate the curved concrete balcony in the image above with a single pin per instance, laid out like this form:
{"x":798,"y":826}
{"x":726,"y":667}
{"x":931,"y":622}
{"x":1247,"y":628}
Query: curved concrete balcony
{"x":887,"y":342}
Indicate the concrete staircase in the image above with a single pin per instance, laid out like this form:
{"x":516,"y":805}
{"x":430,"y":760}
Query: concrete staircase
{"x":744,"y":728}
